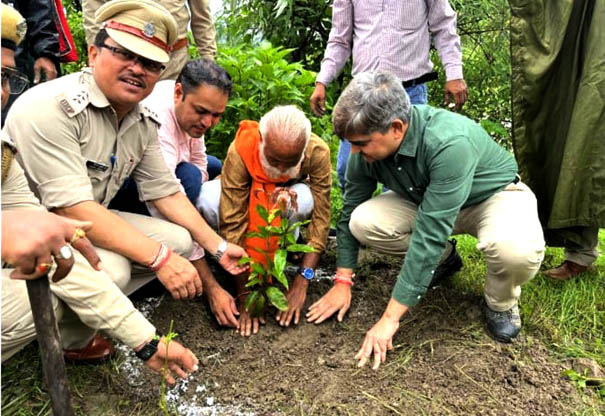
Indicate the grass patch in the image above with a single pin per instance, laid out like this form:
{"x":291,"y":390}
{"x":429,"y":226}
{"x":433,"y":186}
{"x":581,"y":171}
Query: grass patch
{"x":569,"y":316}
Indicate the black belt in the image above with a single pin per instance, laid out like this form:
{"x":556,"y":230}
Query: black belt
{"x":431,"y":76}
{"x":517,"y":179}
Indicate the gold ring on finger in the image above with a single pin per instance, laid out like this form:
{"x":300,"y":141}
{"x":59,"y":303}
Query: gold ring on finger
{"x":43,"y":268}
{"x":78,"y":233}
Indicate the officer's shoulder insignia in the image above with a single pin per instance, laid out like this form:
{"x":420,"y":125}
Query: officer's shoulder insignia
{"x":73,"y":102}
{"x":148,"y":112}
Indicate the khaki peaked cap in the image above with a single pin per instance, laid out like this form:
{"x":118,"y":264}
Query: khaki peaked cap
{"x":13,"y":27}
{"x":141,"y":26}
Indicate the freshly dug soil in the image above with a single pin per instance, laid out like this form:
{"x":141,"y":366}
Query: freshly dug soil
{"x":443,"y":362}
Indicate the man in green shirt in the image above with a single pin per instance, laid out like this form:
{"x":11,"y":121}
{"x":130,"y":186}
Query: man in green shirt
{"x":446,"y":176}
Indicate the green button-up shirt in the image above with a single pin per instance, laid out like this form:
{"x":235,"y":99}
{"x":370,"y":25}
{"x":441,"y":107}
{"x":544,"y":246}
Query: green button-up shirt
{"x":445,"y":162}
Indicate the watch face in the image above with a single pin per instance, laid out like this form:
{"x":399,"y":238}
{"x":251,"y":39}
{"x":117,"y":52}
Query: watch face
{"x":308,"y":273}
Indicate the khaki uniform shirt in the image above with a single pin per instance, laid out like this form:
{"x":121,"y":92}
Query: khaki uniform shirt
{"x":120,"y":320}
{"x":316,"y":170}
{"x":202,"y":25}
{"x":73,"y":150}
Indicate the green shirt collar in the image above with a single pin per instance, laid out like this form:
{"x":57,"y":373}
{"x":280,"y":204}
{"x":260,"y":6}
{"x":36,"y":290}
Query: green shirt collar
{"x":409,"y":143}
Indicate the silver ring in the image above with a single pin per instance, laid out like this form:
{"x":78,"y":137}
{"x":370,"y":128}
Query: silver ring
{"x":65,"y":253}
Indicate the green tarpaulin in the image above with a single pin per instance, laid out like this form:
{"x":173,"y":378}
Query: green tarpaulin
{"x":558,"y":89}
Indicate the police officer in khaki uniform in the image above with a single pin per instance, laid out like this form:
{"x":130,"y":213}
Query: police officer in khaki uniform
{"x":26,"y":223}
{"x":80,"y":136}
{"x":201,"y":22}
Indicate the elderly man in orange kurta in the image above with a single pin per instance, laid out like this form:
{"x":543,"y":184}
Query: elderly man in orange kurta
{"x":278,"y":152}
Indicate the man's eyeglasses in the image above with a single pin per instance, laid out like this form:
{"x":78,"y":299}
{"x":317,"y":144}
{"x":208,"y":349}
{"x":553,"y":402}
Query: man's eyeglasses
{"x":127,"y":56}
{"x":13,"y":80}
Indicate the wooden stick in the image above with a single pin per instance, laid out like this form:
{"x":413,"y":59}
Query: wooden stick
{"x":51,"y":351}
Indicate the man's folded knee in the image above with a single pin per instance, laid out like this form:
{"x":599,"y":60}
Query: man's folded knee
{"x":514,"y":254}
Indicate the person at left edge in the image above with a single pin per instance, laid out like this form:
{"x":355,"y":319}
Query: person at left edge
{"x":82,"y":135}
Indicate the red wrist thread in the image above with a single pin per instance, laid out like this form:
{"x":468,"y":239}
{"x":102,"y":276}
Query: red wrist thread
{"x":343,"y":280}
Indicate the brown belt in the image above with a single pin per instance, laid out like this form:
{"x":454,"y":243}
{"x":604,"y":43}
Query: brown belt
{"x":179,"y":44}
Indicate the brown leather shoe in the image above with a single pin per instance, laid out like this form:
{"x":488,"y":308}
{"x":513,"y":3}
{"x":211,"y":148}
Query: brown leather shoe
{"x":566,"y":270}
{"x":99,"y":349}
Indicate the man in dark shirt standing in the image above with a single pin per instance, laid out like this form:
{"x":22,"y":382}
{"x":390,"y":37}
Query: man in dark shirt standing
{"x":446,"y":176}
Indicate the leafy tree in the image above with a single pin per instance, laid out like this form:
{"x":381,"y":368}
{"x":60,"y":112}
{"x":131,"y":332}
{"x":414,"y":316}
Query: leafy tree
{"x":262,"y":79}
{"x":303,"y":25}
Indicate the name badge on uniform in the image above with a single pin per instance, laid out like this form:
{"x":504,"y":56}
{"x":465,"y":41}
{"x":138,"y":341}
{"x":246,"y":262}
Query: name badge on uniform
{"x":91,"y":164}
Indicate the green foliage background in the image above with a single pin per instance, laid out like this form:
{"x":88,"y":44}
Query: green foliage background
{"x":272,"y":49}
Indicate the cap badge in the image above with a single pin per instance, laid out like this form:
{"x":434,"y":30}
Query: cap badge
{"x":149,"y":29}
{"x":21,"y":29}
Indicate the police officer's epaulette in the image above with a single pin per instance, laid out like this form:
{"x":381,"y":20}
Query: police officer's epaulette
{"x":73,"y":102}
{"x":148,"y":112}
{"x":8,"y":154}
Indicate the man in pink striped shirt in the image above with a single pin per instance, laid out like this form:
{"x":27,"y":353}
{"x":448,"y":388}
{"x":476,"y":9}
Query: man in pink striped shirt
{"x":187,"y":108}
{"x":391,"y":36}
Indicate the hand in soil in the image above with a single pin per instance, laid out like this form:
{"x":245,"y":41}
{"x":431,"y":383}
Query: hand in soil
{"x":248,"y":324}
{"x":296,"y":300}
{"x":223,"y":306}
{"x":181,"y":361}
{"x":180,"y":278}
{"x":229,"y":260}
{"x":377,"y":340}
{"x":337,"y":299}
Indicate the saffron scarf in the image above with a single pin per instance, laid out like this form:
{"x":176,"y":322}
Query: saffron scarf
{"x":247,"y":144}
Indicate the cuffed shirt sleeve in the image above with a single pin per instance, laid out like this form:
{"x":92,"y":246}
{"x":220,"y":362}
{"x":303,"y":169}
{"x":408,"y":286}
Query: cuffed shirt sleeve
{"x":153,"y":178}
{"x":442,"y":25}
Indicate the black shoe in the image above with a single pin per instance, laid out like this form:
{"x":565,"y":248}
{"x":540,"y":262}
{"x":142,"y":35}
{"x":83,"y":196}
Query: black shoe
{"x":503,"y":326}
{"x":447,"y":267}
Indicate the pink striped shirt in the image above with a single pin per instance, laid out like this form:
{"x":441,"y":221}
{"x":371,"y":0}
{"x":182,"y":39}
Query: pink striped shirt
{"x":177,"y":146}
{"x":392,"y":36}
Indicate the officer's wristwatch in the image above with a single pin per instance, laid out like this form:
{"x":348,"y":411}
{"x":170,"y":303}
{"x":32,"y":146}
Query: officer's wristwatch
{"x":149,"y":349}
{"x":306,"y":272}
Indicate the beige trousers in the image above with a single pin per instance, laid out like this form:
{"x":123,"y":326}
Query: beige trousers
{"x":506,"y":225}
{"x":88,"y":300}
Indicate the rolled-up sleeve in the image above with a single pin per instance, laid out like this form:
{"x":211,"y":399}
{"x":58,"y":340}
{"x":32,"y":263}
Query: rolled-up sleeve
{"x":151,"y":174}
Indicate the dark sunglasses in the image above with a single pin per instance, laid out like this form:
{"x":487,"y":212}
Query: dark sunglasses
{"x":127,"y":56}
{"x":14,"y":80}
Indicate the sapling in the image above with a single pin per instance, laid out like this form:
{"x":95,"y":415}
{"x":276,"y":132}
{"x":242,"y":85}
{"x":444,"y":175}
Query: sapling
{"x":268,"y":280}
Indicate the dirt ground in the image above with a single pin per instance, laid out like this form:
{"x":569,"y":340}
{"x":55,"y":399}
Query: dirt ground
{"x":443,"y":362}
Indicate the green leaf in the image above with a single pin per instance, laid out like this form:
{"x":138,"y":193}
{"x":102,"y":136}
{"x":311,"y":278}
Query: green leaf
{"x":254,"y":234}
{"x":244,"y":260}
{"x":298,"y":225}
{"x":283,"y":279}
{"x":262,"y":211}
{"x":290,"y":238}
{"x":277,"y":298}
{"x":279,"y":261}
{"x":258,"y":269}
{"x":300,"y":248}
{"x":250,"y":300}
{"x":254,"y":281}
{"x":259,"y":307}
